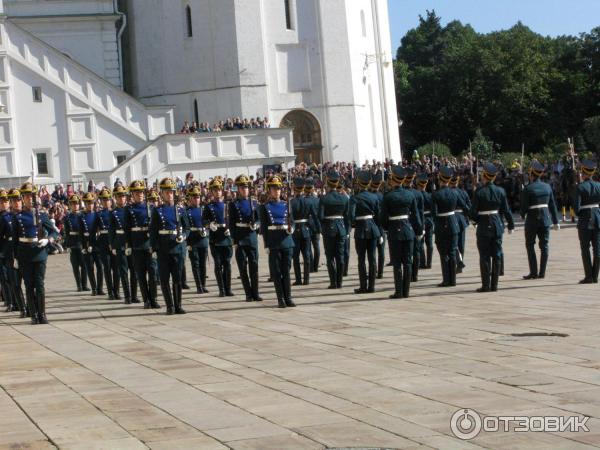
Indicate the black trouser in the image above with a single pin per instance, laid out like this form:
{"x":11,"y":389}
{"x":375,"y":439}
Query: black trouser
{"x":447,"y":246}
{"x":302,"y":247}
{"x":14,"y":281}
{"x":334,"y":252}
{"x":280,"y":261}
{"x":92,"y":260}
{"x":365,"y":251}
{"x":144,"y":273}
{"x":381,"y":255}
{"x":427,"y":246}
{"x":111,"y":272}
{"x":34,"y":274}
{"x":542,"y":234}
{"x":315,"y":240}
{"x":125,"y":276}
{"x":5,"y":285}
{"x":171,"y":269}
{"x":246,"y":257}
{"x":590,"y":262}
{"x":401,"y":257}
{"x":198,"y":257}
{"x":222,"y":259}
{"x":78,"y":266}
{"x":490,"y":255}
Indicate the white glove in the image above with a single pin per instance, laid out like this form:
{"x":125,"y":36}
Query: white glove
{"x":89,"y":249}
{"x":511,"y":231}
{"x":179,"y":239}
{"x":290,"y":230}
{"x":127,"y":252}
{"x":254,"y":227}
{"x":227,"y":233}
{"x":203,"y":233}
{"x":380,"y":240}
{"x":420,"y":238}
{"x":84,"y":251}
{"x":154,"y":255}
{"x":114,"y":252}
{"x":16,"y":264}
{"x":42,"y":243}
{"x":556,"y":227}
{"x":213,"y":226}
{"x":189,"y":247}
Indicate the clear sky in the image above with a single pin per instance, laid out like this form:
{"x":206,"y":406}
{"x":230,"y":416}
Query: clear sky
{"x":547,"y":17}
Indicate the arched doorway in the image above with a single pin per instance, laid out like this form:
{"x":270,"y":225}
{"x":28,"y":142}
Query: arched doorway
{"x":307,"y":136}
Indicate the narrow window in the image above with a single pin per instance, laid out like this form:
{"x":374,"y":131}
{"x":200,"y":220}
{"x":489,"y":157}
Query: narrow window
{"x":288,"y":15}
{"x":42,"y":163}
{"x":188,"y":20}
{"x":37,"y":94}
{"x":196,"y":115}
{"x":121,"y":158}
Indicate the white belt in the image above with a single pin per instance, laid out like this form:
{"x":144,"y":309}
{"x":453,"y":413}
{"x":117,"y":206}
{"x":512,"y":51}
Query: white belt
{"x":446,"y":214}
{"x":73,"y":233}
{"x":333,"y":217}
{"x":301,"y":221}
{"x":27,"y":240}
{"x":139,"y":229}
{"x":103,"y":231}
{"x":538,"y":206}
{"x":277,"y":227}
{"x":488,"y":213}
{"x":364,"y":217}
{"x":589,"y":206}
{"x":221,"y":225}
{"x":242,"y":225}
{"x":460,"y":211}
{"x":394,"y":218}
{"x":167,"y":232}
{"x":120,"y":231}
{"x":426,"y":212}
{"x":86,"y":234}
{"x":196,"y":229}
{"x":9,"y":239}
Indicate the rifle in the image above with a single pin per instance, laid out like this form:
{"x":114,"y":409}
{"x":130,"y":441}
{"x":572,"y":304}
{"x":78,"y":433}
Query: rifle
{"x":177,"y":219}
{"x":148,"y":212}
{"x":36,"y":210}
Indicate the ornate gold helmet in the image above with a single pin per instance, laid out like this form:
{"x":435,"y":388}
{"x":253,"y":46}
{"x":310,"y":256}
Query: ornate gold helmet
{"x":105,"y":193}
{"x":3,"y":194}
{"x":14,"y":193}
{"x":243,"y":180}
{"x":28,"y":188}
{"x":89,"y":197}
{"x":274,"y":181}
{"x":137,"y":185}
{"x":74,"y":198}
{"x":193,"y":191}
{"x":167,"y":184}
{"x":120,"y":191}
{"x":216,"y":183}
{"x":153,"y":195}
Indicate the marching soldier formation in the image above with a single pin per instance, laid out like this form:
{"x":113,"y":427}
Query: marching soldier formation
{"x":137,"y":238}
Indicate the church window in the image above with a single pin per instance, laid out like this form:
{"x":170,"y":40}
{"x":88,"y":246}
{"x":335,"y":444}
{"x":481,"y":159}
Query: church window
{"x":42,"y":163}
{"x":288,"y":14}
{"x":37,"y":94}
{"x":196,"y":113}
{"x":188,"y":21}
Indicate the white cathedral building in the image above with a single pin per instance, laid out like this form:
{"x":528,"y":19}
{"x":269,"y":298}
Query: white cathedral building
{"x":98,"y":89}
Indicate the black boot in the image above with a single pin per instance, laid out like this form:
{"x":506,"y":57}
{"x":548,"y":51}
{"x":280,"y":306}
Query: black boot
{"x":197,"y":281}
{"x":452,"y":273}
{"x":495,"y":274}
{"x":397,"y":283}
{"x":484,"y":268}
{"x":297,"y":271}
{"x":415,"y":268}
{"x":31,"y":306}
{"x":371,"y":280}
{"x":227,"y":280}
{"x":219,"y":277}
{"x":339,"y":276}
{"x":543,"y":264}
{"x":532,"y":260}
{"x":279,"y":293}
{"x":331,"y":273}
{"x":306,"y":280}
{"x":595,"y":269}
{"x":246,"y":284}
{"x":362,"y":278}
{"x":429,"y":257}
{"x":166,"y":291}
{"x":254,"y":284}
{"x":406,"y":280}
{"x":177,"y":297}
{"x":445,"y":262}
{"x":501,"y":271}
{"x":41,"y":307}
{"x":286,"y":284}
{"x":588,"y":268}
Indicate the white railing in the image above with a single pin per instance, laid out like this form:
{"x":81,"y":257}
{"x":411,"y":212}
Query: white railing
{"x":204,"y":153}
{"x":147,"y":123}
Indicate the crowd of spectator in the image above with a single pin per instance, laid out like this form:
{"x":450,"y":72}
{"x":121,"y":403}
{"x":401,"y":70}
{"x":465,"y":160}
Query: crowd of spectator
{"x":229,"y":124}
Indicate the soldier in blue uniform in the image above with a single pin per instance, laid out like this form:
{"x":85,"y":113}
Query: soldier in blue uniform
{"x":118,"y":245}
{"x":88,"y":233}
{"x":364,"y":214}
{"x":426,"y":244}
{"x":408,"y":185}
{"x":197,"y":240}
{"x":72,"y":241}
{"x":462,"y":216}
{"x":444,"y":203}
{"x":301,"y":210}
{"x":401,"y":218}
{"x":313,"y":223}
{"x":587,"y":208}
{"x":216,"y":214}
{"x":334,"y":214}
{"x":136,"y":222}
{"x":5,"y":253}
{"x":32,"y":232}
{"x":169,"y":229}
{"x":14,"y":277}
{"x":375,"y":187}
{"x":243,"y":223}
{"x":153,"y":200}
{"x":538,"y":208}
{"x":346,"y":262}
{"x":108,"y":260}
{"x":276,"y":220}
{"x":489,"y":206}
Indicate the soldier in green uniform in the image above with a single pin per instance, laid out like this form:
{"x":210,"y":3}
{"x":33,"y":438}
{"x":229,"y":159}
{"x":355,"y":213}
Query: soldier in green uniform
{"x":243,"y":223}
{"x":462,"y":216}
{"x":489,"y":206}
{"x":398,"y":207}
{"x":364,"y":214}
{"x":444,"y":203}
{"x":221,"y":244}
{"x":334,"y":214}
{"x":538,"y":208}
{"x":313,"y":223}
{"x":136,"y":222}
{"x":198,"y":239}
{"x":14,"y":276}
{"x":375,"y":187}
{"x":301,"y":210}
{"x":72,"y":241}
{"x":32,"y":232}
{"x":587,"y":208}
{"x":276,"y":227}
{"x":169,"y":228}
{"x":426,"y":244}
{"x":118,"y":244}
{"x":408,"y":185}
